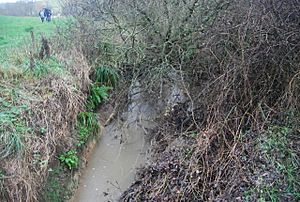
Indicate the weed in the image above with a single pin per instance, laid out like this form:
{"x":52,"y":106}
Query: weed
{"x":39,"y":161}
{"x":188,"y":153}
{"x":2,"y":187}
{"x":106,"y":47}
{"x":97,"y":95}
{"x":283,"y":162}
{"x":12,"y":128}
{"x":54,"y":189}
{"x":51,"y":65}
{"x":107,"y":76}
{"x":2,"y":173}
{"x":265,"y":193}
{"x":87,"y":125}
{"x":53,"y":192}
{"x":70,"y":159}
{"x":193,"y":134}
{"x":3,"y":41}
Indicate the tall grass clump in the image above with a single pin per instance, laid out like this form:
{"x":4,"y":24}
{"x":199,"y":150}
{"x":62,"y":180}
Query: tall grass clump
{"x":47,"y":66}
{"x":87,"y":125}
{"x":107,"y":76}
{"x":97,"y":95}
{"x":12,"y":127}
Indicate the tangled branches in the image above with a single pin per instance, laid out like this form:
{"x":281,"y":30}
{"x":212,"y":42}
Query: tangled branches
{"x":244,"y":70}
{"x":238,"y":60}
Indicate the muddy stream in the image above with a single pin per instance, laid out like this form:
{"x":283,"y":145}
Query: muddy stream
{"x":122,"y":148}
{"x":112,"y":166}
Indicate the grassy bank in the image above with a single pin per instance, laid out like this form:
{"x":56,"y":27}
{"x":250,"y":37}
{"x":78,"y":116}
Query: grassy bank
{"x":38,"y":110}
{"x":47,"y":106}
{"x":38,"y":114}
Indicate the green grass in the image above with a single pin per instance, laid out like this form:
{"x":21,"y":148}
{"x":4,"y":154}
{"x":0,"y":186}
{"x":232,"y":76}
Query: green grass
{"x":2,"y":186}
{"x":15,"y":34}
{"x":107,"y":76}
{"x":276,"y":147}
{"x":87,"y":125}
{"x":54,"y":189}
{"x":12,"y":127}
{"x":44,"y":67}
{"x":15,"y":31}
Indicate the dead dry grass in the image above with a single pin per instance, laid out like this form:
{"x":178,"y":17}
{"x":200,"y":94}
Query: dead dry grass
{"x":53,"y":103}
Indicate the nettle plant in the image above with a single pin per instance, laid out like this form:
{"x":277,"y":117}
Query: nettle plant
{"x":70,"y":159}
{"x":97,"y":95}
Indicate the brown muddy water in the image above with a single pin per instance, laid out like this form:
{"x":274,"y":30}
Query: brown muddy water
{"x":121,"y":149}
{"x":112,"y":166}
{"x":123,"y":146}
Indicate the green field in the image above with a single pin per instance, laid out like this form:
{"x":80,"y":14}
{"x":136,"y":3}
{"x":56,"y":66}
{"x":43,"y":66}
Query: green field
{"x":15,"y":30}
{"x":15,"y":33}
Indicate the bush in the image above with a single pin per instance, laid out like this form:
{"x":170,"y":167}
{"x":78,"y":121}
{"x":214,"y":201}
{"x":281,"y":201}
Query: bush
{"x":106,"y":76}
{"x":38,"y":113}
{"x":87,"y":125}
{"x":239,"y":64}
{"x":97,"y":95}
{"x":70,"y":159}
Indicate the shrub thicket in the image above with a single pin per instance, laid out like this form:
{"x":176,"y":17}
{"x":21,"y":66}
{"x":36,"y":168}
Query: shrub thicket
{"x":239,"y":64}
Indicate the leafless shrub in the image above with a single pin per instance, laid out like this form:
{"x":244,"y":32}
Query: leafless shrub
{"x":239,"y":60}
